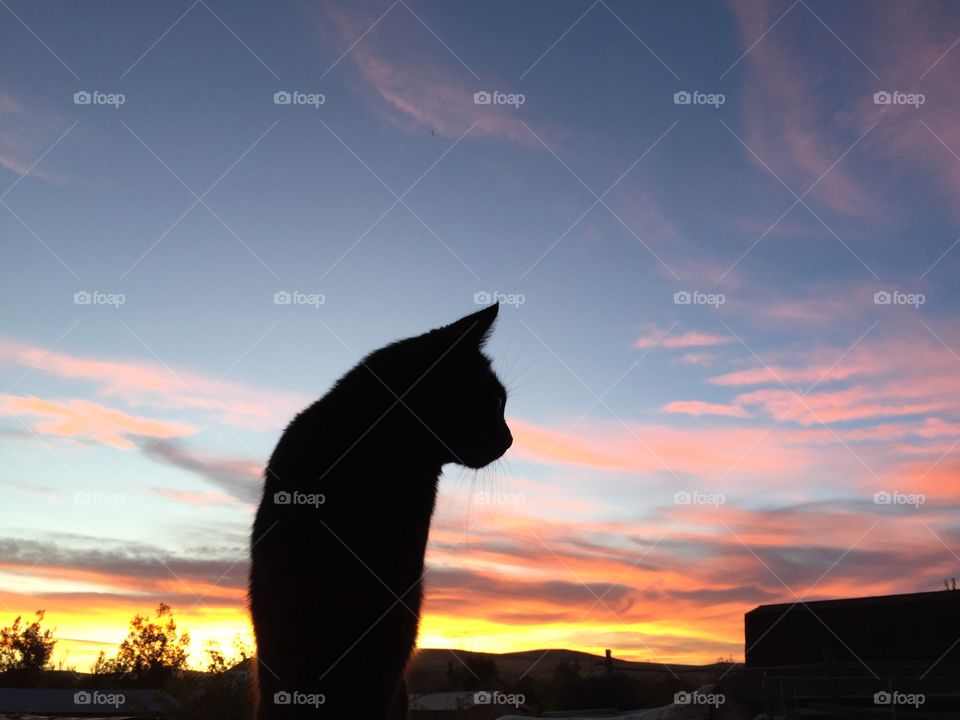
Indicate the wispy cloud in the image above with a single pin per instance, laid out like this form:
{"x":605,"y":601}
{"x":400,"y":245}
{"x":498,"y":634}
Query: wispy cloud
{"x":193,"y":497}
{"x":646,"y":449}
{"x":784,"y":114}
{"x":240,"y":479}
{"x":427,"y":89}
{"x":21,"y":145}
{"x":685,"y":340}
{"x":919,"y":144}
{"x":85,"y":420}
{"x":145,"y":383}
{"x":696,"y":407}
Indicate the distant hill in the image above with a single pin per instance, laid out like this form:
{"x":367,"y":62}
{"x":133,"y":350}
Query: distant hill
{"x":430,"y":666}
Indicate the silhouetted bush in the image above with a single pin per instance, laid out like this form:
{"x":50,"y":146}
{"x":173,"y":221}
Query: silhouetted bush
{"x":25,"y":651}
{"x":151,"y":652}
{"x":211,"y":696}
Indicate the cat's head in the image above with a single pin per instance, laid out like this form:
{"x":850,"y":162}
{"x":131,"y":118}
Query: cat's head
{"x":451,"y":396}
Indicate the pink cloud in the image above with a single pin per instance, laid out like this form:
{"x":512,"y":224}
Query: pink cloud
{"x":917,"y":37}
{"x":783,"y":116}
{"x":900,"y":386}
{"x":757,"y":453}
{"x":695,"y":407}
{"x":429,"y":88}
{"x":689,"y":339}
{"x":770,"y":374}
{"x":873,"y":356}
{"x":195,"y":498}
{"x":697,"y":358}
{"x":539,"y":443}
{"x":855,"y":403}
{"x":87,"y":420}
{"x":821,"y":302}
{"x":20,"y":144}
{"x":145,"y":383}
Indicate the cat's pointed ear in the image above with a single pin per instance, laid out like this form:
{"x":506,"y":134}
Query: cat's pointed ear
{"x":473,"y":330}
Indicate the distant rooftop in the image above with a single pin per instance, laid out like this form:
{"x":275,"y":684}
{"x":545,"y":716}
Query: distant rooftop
{"x":944,"y":596}
{"x":920,"y":628}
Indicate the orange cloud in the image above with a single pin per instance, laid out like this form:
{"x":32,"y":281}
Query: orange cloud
{"x":87,"y":420}
{"x":539,"y":443}
{"x":644,"y":449}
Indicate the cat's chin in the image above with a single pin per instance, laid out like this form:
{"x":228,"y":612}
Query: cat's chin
{"x":480,"y":459}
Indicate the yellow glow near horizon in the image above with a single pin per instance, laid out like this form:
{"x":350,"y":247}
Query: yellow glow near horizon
{"x":81,"y":636}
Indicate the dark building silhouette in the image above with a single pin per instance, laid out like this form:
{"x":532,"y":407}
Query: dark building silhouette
{"x":911,"y":628}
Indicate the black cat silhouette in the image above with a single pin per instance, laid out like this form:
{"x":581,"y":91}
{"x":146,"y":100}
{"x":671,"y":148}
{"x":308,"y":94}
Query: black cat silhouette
{"x":339,"y":538}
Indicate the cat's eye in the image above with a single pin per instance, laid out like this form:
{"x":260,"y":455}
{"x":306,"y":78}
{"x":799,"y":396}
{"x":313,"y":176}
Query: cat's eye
{"x":500,"y":402}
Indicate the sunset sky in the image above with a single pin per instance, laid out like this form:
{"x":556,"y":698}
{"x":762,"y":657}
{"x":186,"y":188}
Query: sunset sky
{"x":675,"y":463}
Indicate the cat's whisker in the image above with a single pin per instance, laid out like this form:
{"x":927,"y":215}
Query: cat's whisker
{"x":516,"y":361}
{"x":512,"y":377}
{"x":457,"y":482}
{"x":470,"y":501}
{"x":514,"y":386}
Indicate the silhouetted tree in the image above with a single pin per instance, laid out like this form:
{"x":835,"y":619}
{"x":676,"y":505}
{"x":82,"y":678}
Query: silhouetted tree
{"x":26,"y":647}
{"x":151,"y":650}
{"x":219,"y":662}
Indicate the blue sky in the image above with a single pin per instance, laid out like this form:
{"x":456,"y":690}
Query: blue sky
{"x":785,"y":196}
